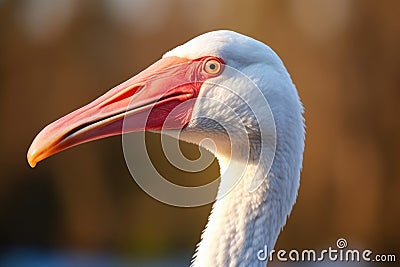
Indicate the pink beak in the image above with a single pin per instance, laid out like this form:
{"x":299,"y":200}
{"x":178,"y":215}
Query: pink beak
{"x":154,"y":99}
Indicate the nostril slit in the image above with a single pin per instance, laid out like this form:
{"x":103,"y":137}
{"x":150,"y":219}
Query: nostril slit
{"x":124,"y":95}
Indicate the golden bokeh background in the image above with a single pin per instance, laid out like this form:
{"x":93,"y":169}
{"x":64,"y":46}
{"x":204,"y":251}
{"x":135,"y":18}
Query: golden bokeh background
{"x":343,"y":55}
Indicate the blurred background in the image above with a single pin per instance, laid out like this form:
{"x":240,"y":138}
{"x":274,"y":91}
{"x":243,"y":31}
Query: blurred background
{"x":82,"y":208}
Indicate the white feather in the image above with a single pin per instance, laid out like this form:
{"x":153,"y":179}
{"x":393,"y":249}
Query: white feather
{"x":243,"y":222}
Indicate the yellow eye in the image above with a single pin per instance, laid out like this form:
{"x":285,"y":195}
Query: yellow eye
{"x":212,"y":66}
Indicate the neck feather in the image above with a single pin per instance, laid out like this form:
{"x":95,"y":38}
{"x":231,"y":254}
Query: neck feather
{"x":242,"y":223}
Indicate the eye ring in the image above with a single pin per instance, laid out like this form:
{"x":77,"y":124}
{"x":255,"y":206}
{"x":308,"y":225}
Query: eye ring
{"x":212,"y":66}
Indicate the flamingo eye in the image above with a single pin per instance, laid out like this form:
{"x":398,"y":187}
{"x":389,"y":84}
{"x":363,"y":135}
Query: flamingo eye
{"x":212,"y":66}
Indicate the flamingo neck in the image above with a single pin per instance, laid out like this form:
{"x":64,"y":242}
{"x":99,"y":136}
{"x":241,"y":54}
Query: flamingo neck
{"x":242,"y":223}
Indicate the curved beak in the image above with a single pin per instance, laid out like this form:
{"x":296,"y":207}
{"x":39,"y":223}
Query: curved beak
{"x":154,"y":99}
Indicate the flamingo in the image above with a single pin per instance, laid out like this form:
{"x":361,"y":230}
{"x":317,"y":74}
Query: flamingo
{"x":169,"y":95}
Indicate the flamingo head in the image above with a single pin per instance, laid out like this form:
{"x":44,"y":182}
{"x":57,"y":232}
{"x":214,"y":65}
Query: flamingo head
{"x":209,"y":85}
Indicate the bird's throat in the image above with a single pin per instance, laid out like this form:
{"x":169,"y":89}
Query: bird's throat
{"x":241,"y":223}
